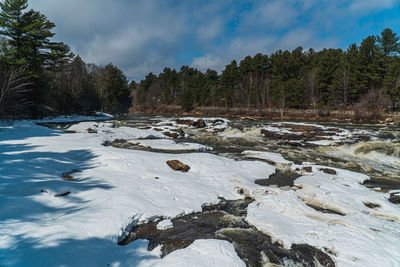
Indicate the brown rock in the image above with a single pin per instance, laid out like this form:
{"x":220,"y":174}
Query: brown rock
{"x":178,"y":166}
{"x":327,"y":171}
{"x":307,"y":169}
{"x":172,"y":135}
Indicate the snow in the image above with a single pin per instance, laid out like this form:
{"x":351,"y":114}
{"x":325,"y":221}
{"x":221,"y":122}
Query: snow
{"x":165,"y":225}
{"x":204,"y":253}
{"x":355,"y":238}
{"x":108,"y":132}
{"x":114,"y":187}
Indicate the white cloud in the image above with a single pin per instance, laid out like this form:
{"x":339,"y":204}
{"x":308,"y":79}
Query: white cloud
{"x":208,"y":62}
{"x":145,"y":36}
{"x":362,"y":5}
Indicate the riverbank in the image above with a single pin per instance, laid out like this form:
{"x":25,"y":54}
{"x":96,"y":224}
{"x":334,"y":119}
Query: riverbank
{"x":310,"y":115}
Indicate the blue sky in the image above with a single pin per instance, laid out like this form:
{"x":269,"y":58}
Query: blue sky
{"x":145,"y":36}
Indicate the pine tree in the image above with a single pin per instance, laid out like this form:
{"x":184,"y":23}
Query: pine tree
{"x":29,"y":34}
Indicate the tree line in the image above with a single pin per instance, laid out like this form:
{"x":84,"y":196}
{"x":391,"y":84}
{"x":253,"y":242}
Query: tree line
{"x":365,"y":75}
{"x":40,"y":77}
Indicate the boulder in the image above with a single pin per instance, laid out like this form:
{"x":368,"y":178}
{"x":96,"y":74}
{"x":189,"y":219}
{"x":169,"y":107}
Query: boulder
{"x":178,"y":166}
{"x":395,"y":198}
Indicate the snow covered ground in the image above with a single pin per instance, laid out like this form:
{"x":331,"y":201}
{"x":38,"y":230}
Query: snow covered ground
{"x":112,"y":187}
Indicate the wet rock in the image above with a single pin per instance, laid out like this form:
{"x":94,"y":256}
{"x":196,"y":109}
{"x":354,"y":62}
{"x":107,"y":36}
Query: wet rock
{"x":178,"y":166}
{"x":280,"y":179}
{"x":91,"y":130}
{"x":63,"y":194}
{"x":395,"y":198}
{"x":328,"y":171}
{"x":144,"y":128}
{"x":226,"y":221}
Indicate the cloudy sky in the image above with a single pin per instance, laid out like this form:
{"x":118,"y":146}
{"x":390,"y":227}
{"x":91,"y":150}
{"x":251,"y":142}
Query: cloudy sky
{"x":142,"y":36}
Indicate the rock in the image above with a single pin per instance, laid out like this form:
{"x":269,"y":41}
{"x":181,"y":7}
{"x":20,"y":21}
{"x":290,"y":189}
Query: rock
{"x":200,"y":124}
{"x":172,"y":135}
{"x":91,"y":130}
{"x":372,"y":205}
{"x":307,"y":169}
{"x":178,"y":166}
{"x":181,"y":132}
{"x":389,"y":120}
{"x":328,"y":171}
{"x":63,"y":194}
{"x":67,"y":177}
{"x":144,"y":128}
{"x":395,"y":198}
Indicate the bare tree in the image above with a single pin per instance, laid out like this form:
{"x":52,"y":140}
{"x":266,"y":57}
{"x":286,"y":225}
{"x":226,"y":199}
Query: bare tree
{"x":14,"y":86}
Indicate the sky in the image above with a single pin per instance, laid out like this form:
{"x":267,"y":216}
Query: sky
{"x":141,"y":37}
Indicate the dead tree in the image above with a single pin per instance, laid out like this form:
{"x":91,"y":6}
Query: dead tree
{"x":14,"y":88}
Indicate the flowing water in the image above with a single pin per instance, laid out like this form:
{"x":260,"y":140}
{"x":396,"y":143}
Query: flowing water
{"x":370,"y":149}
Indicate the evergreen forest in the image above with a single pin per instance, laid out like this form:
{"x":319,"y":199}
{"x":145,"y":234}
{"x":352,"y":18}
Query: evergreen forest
{"x":364,"y":76}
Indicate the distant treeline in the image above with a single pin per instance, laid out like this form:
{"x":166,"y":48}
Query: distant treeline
{"x":39,"y":77}
{"x":367,"y":75}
